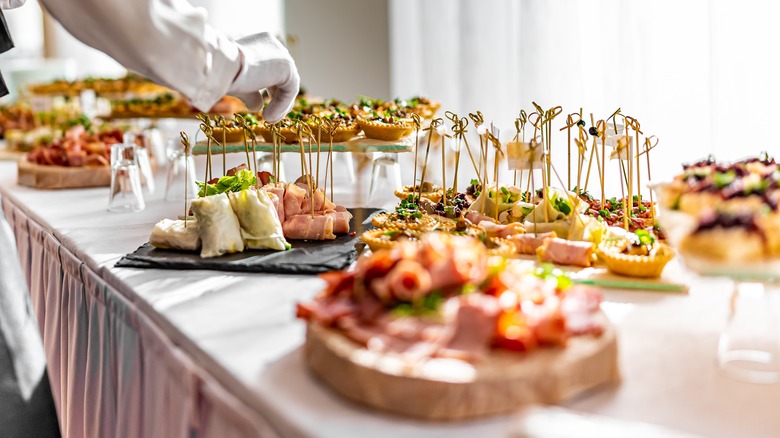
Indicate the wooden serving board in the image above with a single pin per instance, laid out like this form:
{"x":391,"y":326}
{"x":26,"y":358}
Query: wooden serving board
{"x":59,"y":177}
{"x":450,"y":389}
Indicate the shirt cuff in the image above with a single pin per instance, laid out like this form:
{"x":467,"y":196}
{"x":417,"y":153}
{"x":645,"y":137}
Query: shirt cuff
{"x":223,"y":61}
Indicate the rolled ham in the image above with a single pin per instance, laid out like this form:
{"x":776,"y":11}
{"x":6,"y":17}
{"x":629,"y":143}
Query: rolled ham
{"x":565,"y":252}
{"x":308,"y":227}
{"x":501,"y":230}
{"x":528,"y":243}
{"x":293,"y":200}
{"x":277,"y":190}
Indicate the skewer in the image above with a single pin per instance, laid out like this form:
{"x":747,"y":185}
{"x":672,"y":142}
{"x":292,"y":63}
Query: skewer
{"x":649,"y":178}
{"x":245,"y":130}
{"x":333,"y":130}
{"x":185,"y":141}
{"x":221,"y":122}
{"x":434,"y":124}
{"x":318,"y":121}
{"x":416,"y":120}
{"x":443,"y":136}
{"x":601,"y":128}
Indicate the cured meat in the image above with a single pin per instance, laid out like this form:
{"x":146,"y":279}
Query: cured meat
{"x":473,"y":321}
{"x":341,"y":218}
{"x":278,"y":198}
{"x":325,"y":310}
{"x":565,"y":252}
{"x":475,"y":217}
{"x":579,"y":306}
{"x":501,"y":230}
{"x":528,"y":243}
{"x":293,"y":199}
{"x":308,"y":227}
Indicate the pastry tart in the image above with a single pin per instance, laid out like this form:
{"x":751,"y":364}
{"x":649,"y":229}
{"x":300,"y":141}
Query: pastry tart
{"x":381,"y":238}
{"x":431,"y":192}
{"x":290,"y":137}
{"x":404,"y":222}
{"x":500,"y":247}
{"x":343,"y":133}
{"x":641,"y":257}
{"x":233,"y":134}
{"x":384,"y":129}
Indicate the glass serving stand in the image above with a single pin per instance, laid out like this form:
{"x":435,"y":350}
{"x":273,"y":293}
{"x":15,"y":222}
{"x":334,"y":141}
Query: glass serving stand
{"x":749,"y":344}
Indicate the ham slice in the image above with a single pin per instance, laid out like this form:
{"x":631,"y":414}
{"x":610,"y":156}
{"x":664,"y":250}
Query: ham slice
{"x":325,"y":310}
{"x":307,"y":227}
{"x":472,"y":321}
{"x":579,"y":306}
{"x":293,"y":200}
{"x":475,"y":217}
{"x":530,"y":242}
{"x":501,"y":230}
{"x":277,"y":190}
{"x":341,"y":218}
{"x":565,"y":252}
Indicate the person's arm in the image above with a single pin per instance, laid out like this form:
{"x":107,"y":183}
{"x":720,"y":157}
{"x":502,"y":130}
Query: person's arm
{"x":170,"y":42}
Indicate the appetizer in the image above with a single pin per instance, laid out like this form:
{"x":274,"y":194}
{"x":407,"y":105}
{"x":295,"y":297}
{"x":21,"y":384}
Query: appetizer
{"x":638,"y":254}
{"x":445,"y":297}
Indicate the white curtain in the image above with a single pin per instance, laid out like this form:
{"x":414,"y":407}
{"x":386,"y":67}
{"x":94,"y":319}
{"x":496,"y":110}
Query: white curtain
{"x":698,"y":74}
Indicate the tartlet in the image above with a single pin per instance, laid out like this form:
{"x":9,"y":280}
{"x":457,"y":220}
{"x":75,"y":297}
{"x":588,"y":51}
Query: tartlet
{"x":381,"y":238}
{"x":290,"y":137}
{"x":385,"y":130}
{"x":396,"y":221}
{"x":233,"y":134}
{"x":643,"y":260}
{"x":431,"y":192}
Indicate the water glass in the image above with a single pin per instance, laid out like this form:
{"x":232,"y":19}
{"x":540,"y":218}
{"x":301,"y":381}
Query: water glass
{"x":749,"y":346}
{"x":126,"y":195}
{"x":180,"y":173}
{"x":142,"y":159}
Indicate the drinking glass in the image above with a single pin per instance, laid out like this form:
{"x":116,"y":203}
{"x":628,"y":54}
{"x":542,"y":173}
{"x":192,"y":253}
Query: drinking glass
{"x":142,"y":160}
{"x":126,"y":195}
{"x":749,"y":346}
{"x":178,"y":176}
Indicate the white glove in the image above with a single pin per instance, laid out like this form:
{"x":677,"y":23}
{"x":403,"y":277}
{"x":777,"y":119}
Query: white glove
{"x":266,"y":64}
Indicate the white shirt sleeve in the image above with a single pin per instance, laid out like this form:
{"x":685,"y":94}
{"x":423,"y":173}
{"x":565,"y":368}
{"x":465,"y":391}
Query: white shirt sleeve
{"x":167,"y":41}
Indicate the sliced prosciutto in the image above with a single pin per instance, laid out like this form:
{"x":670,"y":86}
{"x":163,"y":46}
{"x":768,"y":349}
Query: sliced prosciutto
{"x":566,"y":252}
{"x":293,"y":200}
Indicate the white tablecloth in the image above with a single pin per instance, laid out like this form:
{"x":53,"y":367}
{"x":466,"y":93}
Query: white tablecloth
{"x":166,"y":353}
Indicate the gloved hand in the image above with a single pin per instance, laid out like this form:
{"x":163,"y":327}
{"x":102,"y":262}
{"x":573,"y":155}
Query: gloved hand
{"x":266,"y":64}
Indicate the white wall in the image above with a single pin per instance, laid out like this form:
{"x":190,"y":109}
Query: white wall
{"x":341,"y":46}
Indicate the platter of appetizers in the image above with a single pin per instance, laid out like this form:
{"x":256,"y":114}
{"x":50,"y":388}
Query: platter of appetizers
{"x":365,"y":125}
{"x":442,"y":330}
{"x":80,"y":157}
{"x":723,"y":218}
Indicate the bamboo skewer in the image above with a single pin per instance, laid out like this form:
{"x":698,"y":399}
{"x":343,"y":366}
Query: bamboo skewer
{"x":221,"y":122}
{"x":430,"y":129}
{"x":416,"y":120}
{"x":185,"y":141}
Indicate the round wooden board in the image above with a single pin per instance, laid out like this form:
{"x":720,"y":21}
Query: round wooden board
{"x":59,"y":177}
{"x":449,"y":389}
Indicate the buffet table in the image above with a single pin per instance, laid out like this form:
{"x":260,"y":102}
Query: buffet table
{"x":168,"y":353}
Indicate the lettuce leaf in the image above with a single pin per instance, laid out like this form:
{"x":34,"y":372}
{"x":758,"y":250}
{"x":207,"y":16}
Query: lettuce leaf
{"x":242,"y":180}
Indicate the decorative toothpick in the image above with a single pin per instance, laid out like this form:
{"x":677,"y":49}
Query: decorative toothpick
{"x":245,"y":131}
{"x":431,"y":128}
{"x":332,"y":128}
{"x":185,"y":141}
{"x":646,"y":152}
{"x":417,"y":122}
{"x":207,"y":177}
{"x":570,"y":122}
{"x":222,"y":123}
